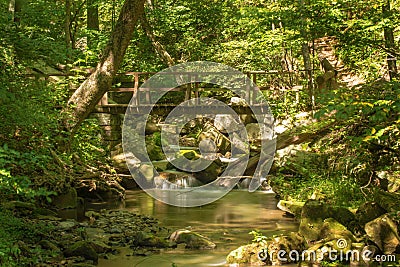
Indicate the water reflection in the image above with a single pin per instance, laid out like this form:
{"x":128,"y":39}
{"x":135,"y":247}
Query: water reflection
{"x":227,"y":222}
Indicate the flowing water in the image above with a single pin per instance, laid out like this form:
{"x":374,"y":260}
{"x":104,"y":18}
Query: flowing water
{"x":227,"y":222}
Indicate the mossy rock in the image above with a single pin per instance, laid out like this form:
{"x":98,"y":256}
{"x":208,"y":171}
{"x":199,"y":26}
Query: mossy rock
{"x":383,"y":231}
{"x":150,"y":240}
{"x":388,"y":201}
{"x":292,"y":207}
{"x":191,"y":239}
{"x":247,"y":254}
{"x":292,"y":242}
{"x":82,"y":249}
{"x":67,"y":199}
{"x":369,"y":211}
{"x":337,"y":232}
{"x":314,"y":213}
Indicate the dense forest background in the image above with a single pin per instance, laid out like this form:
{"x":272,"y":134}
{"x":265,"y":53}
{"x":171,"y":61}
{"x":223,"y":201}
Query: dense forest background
{"x":354,"y":148}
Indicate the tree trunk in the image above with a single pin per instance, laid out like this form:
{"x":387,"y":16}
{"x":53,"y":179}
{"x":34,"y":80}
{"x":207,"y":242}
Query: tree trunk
{"x":85,"y":98}
{"x":92,"y":22}
{"x":15,"y":7}
{"x":67,"y":28}
{"x":389,"y":43}
{"x":92,"y":15}
{"x":164,"y":55}
{"x":306,"y":55}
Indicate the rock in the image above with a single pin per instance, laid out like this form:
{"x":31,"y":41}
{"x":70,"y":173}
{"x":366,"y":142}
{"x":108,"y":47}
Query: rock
{"x":247,"y":254}
{"x":388,"y":201}
{"x":191,"y":239}
{"x":190,"y":155}
{"x":120,"y":161}
{"x":247,"y":118}
{"x":226,"y":123}
{"x":96,"y":234}
{"x":238,"y":145}
{"x":221,"y":141}
{"x":292,"y":207}
{"x":66,"y":200}
{"x":127,"y":181}
{"x":237,"y":101}
{"x":369,"y":211}
{"x":18,"y":205}
{"x":293,"y":242}
{"x":383,"y":231}
{"x":100,"y":247}
{"x":257,"y":132}
{"x":82,"y":249}
{"x":149,"y":240}
{"x":209,"y":174}
{"x":147,"y":171}
{"x":44,"y":212}
{"x":151,"y":128}
{"x":314,"y":213}
{"x":67,"y":214}
{"x":46,"y":244}
{"x":67,"y":224}
{"x":332,"y":230}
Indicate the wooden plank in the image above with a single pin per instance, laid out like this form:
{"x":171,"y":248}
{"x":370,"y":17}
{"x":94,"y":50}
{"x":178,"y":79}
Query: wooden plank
{"x":123,"y":89}
{"x":162,"y":109}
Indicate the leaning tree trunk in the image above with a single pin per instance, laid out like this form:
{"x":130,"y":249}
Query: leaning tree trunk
{"x":89,"y":93}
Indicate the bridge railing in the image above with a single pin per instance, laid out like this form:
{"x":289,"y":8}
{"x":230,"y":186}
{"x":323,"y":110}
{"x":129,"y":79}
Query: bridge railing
{"x":277,"y":85}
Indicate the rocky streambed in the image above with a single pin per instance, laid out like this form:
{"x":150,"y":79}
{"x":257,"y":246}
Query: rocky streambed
{"x":329,"y":236}
{"x":103,"y":234}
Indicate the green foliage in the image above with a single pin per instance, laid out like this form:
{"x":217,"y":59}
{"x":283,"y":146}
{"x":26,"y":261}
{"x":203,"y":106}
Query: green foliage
{"x":258,"y":237}
{"x":376,"y":105}
{"x":88,"y":141}
{"x":14,"y":183}
{"x":14,"y":232}
{"x":364,"y":140}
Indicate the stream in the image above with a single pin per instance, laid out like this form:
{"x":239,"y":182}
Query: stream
{"x":227,"y":222}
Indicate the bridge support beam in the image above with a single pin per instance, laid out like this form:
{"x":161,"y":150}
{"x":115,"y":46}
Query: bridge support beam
{"x":111,"y":125}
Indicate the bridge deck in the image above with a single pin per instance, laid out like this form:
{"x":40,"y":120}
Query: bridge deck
{"x":162,"y":109}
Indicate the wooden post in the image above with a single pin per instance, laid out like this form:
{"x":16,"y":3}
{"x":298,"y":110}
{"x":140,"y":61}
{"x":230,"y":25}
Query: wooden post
{"x":136,"y":92}
{"x":254,"y":98}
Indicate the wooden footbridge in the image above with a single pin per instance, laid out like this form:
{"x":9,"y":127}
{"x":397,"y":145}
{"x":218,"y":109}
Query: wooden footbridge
{"x":279,"y":87}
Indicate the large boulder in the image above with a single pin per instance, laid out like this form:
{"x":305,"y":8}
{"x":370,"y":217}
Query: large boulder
{"x":291,"y":207}
{"x":388,"y":201}
{"x":332,"y":230}
{"x":66,"y":200}
{"x":314,"y":213}
{"x":222,"y":142}
{"x":226,"y":123}
{"x":266,"y":252}
{"x":191,"y":240}
{"x":82,"y":249}
{"x":369,"y":211}
{"x":383,"y":231}
{"x":248,"y":254}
